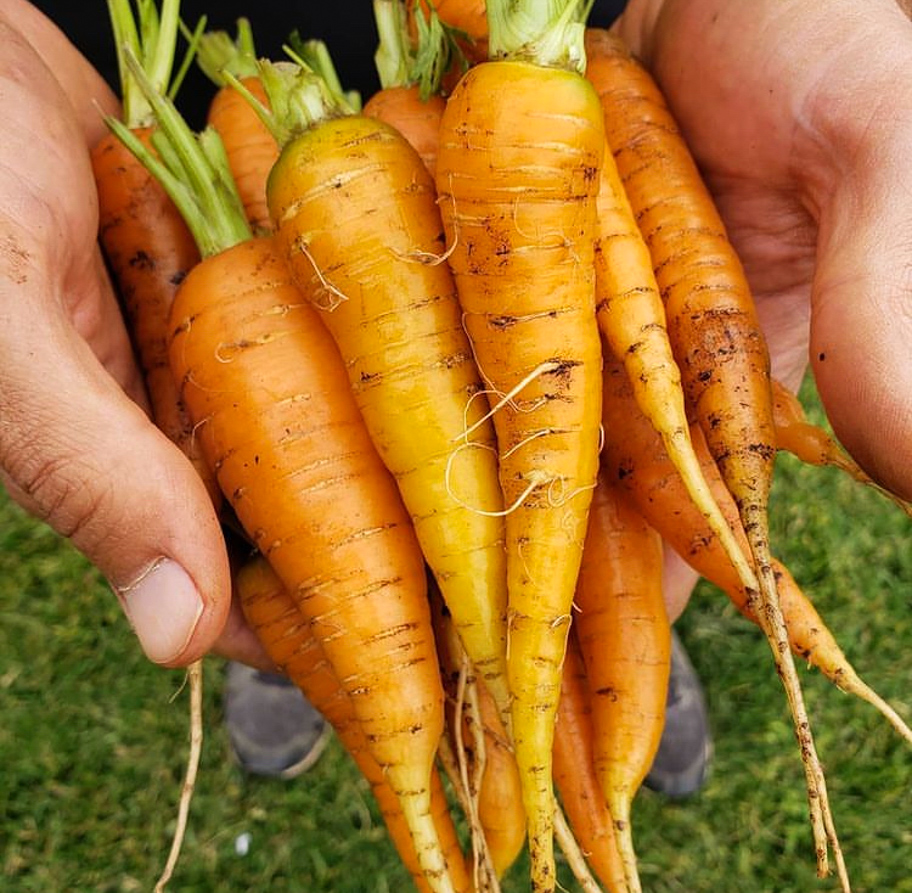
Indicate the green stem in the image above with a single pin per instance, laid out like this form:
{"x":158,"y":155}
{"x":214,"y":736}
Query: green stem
{"x":193,"y":169}
{"x":399,"y":63}
{"x":219,"y":53}
{"x":150,"y":37}
{"x":546,"y":32}
{"x":315,"y":55}
{"x":392,"y":55}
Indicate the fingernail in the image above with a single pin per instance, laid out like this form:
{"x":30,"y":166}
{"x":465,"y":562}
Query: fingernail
{"x":163,"y":606}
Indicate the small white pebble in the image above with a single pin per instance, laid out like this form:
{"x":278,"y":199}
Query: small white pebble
{"x":242,"y":843}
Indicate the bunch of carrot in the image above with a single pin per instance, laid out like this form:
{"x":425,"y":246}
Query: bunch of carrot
{"x":458,"y":363}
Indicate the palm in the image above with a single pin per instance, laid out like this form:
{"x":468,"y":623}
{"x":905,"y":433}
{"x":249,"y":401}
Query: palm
{"x":786,"y":110}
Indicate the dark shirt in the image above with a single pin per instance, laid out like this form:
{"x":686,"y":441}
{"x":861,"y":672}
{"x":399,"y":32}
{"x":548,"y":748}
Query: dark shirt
{"x":351,"y":38}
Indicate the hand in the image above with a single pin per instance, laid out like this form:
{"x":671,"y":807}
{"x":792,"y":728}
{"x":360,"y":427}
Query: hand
{"x":77,"y":448}
{"x":800,"y":117}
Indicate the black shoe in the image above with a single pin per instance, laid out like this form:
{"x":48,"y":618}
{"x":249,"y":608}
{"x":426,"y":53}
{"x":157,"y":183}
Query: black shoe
{"x":681,"y":763}
{"x":272,"y":727}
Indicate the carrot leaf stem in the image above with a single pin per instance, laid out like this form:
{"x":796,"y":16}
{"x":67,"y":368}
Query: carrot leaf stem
{"x":546,"y":32}
{"x":402,"y":62}
{"x":151,"y":36}
{"x":219,"y":52}
{"x":193,"y":170}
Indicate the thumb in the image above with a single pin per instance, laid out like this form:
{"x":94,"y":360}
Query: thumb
{"x":861,"y":320}
{"x":77,"y":453}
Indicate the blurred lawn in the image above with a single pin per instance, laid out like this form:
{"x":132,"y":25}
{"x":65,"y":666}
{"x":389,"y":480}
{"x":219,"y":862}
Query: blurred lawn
{"x":93,"y":738}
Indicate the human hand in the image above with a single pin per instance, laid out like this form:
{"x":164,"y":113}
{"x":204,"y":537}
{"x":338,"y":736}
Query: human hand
{"x":803,"y":134}
{"x":77,"y":448}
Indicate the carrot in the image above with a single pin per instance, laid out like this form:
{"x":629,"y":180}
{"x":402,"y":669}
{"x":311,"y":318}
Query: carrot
{"x":639,"y":463}
{"x":517,"y":172}
{"x":409,"y":98}
{"x":625,"y":640}
{"x":147,"y":245}
{"x":717,"y":341}
{"x":251,"y":148}
{"x":815,"y":446}
{"x":467,"y":17}
{"x":631,"y":317}
{"x":480,"y":760}
{"x":357,"y":221}
{"x":575,"y":777}
{"x":289,"y":640}
{"x":276,"y":420}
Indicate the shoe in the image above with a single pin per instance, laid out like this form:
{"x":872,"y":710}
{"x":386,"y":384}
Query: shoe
{"x":272,"y":727}
{"x":682,"y":761}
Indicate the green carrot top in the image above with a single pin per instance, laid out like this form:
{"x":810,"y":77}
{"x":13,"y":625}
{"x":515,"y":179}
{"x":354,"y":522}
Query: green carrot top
{"x":401,"y":62}
{"x":192,"y":168}
{"x":546,"y":32}
{"x":150,"y":36}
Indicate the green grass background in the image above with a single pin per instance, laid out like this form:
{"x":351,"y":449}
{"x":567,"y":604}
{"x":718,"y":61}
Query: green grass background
{"x":93,"y":738}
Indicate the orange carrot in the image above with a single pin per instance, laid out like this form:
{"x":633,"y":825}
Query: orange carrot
{"x":357,"y":220}
{"x":575,"y":777}
{"x":814,"y":445}
{"x":718,"y":344}
{"x":251,"y":148}
{"x":274,"y":615}
{"x":409,"y":99}
{"x":637,"y":460}
{"x":625,"y":640}
{"x":276,"y":420}
{"x":148,"y":247}
{"x":517,"y":172}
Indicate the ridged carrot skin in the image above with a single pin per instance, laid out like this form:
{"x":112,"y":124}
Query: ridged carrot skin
{"x":625,"y":640}
{"x":517,"y":174}
{"x":150,"y":251}
{"x":357,"y":220}
{"x":275,"y":617}
{"x":250,"y":146}
{"x":575,"y":777}
{"x":276,"y":420}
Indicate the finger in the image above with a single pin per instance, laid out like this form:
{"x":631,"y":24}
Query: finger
{"x":861,"y":324}
{"x":678,"y":582}
{"x":79,"y":454}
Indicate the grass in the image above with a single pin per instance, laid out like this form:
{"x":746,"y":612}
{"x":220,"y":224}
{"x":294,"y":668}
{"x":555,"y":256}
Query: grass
{"x":93,"y":738}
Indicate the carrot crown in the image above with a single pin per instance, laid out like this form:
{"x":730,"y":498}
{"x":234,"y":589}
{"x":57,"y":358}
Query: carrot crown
{"x":546,"y":32}
{"x":193,"y":169}
{"x":402,"y":63}
{"x":299,"y":95}
{"x":219,"y":53}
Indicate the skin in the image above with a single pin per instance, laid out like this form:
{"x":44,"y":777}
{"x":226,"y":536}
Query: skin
{"x":797,"y":122}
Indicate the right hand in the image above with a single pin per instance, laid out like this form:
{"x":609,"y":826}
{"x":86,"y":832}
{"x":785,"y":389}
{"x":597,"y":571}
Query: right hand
{"x":77,"y":448}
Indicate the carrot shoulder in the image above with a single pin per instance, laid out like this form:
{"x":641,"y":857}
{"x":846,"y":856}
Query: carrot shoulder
{"x":517,"y":172}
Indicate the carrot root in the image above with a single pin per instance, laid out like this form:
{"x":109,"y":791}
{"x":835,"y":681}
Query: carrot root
{"x":195,"y":679}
